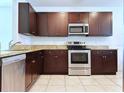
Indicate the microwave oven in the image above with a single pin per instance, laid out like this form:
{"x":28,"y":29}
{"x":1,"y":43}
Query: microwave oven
{"x":78,"y":29}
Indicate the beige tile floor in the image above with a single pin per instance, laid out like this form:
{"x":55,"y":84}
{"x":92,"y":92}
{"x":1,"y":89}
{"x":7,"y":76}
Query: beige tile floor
{"x":65,"y":83}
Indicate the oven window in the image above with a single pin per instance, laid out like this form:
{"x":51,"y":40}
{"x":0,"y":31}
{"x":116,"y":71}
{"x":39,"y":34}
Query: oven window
{"x":76,"y":29}
{"x":79,"y":58}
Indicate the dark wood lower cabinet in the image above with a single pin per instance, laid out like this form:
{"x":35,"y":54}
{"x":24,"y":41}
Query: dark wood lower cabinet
{"x":33,"y":68}
{"x":103,"y":61}
{"x":55,"y":62}
{"x":45,"y":62}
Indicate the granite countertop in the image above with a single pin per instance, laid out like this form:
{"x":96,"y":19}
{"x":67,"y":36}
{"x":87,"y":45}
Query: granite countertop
{"x":23,"y":49}
{"x":27,"y":49}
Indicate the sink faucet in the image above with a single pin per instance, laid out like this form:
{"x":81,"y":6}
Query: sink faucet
{"x":12,"y":45}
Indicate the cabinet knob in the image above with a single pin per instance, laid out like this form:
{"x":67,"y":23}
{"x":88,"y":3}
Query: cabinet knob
{"x":56,"y":56}
{"x":104,"y":57}
{"x":33,"y":61}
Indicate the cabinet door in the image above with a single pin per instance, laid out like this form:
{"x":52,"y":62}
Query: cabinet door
{"x":55,"y":62}
{"x":96,"y":62}
{"x":105,"y":23}
{"x":27,"y":19}
{"x":28,"y":74}
{"x":84,"y":17}
{"x":32,"y":21}
{"x":94,"y":24}
{"x":42,"y":24}
{"x":74,"y":17}
{"x":110,"y":62}
{"x":100,"y":24}
{"x":34,"y":69}
{"x":23,"y":18}
{"x":57,"y":24}
{"x":40,"y":59}
{"x":49,"y":65}
{"x":62,"y":62}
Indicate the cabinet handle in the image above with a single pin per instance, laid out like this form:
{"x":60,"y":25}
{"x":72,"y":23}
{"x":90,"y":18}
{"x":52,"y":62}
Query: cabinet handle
{"x":33,"y":61}
{"x":105,"y":57}
{"x":33,"y":32}
{"x":111,"y":52}
{"x":56,"y":56}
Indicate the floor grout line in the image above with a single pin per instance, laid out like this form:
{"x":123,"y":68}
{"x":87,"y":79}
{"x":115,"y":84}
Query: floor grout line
{"x":48,"y":84}
{"x":102,"y":87}
{"x":82,"y":85}
{"x":65,"y":83}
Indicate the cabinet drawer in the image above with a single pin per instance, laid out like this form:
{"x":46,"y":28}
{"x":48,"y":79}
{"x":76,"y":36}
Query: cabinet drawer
{"x":104,"y":51}
{"x":54,"y":52}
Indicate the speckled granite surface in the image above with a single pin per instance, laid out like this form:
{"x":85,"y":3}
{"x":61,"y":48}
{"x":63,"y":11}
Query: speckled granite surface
{"x":22,"y":49}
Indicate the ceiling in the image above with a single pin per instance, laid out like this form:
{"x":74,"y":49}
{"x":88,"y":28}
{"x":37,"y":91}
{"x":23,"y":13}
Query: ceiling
{"x":76,"y":3}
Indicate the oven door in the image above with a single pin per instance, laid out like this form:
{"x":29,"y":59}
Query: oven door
{"x":79,"y":58}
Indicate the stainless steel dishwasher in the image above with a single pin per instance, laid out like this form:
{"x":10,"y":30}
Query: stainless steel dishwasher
{"x":13,"y":74}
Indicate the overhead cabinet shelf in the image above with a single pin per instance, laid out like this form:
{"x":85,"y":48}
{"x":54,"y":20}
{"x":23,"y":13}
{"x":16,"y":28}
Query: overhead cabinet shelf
{"x":53,"y":24}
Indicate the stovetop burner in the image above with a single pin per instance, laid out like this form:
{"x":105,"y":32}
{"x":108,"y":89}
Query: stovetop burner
{"x":75,"y":45}
{"x":77,"y":48}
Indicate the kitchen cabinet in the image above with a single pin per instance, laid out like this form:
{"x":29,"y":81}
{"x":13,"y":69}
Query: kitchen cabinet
{"x":52,"y":24}
{"x":57,"y":24}
{"x":40,"y":59}
{"x":103,"y":61}
{"x":55,"y":62}
{"x":78,"y":17}
{"x":27,"y":19}
{"x":100,"y":24}
{"x":28,"y":74}
{"x":42,"y":23}
{"x":34,"y":61}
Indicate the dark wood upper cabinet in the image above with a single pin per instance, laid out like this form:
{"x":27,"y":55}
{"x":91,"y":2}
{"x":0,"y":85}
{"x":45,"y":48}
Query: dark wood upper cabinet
{"x":84,"y":17}
{"x":93,"y":24}
{"x":105,"y":23}
{"x":100,"y":24}
{"x":42,"y":24}
{"x":27,"y":19}
{"x":78,"y":17}
{"x":52,"y":24}
{"x":32,"y":21}
{"x":74,"y":17}
{"x":103,"y":61}
{"x":57,"y":24}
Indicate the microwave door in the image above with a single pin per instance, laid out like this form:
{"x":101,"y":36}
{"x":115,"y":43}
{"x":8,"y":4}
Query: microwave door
{"x":75,"y":29}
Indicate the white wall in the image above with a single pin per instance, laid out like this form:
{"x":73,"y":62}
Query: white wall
{"x":5,"y":24}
